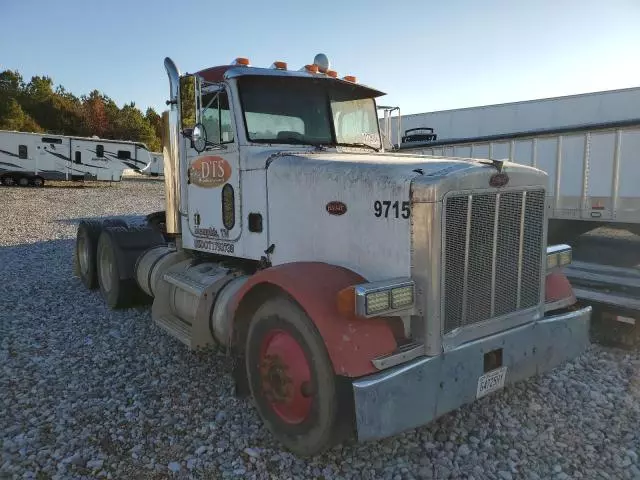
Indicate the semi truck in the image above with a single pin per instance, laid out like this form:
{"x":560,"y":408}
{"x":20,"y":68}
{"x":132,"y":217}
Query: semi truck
{"x":586,"y":143}
{"x":360,"y":293}
{"x":29,"y":159}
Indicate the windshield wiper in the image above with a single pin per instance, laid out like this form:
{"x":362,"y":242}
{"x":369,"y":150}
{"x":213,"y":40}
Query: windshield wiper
{"x":355,"y":144}
{"x":295,"y":141}
{"x":210,"y":145}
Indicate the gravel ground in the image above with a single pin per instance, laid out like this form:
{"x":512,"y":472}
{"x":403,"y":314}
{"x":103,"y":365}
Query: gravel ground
{"x":608,"y":246}
{"x":86,"y":392}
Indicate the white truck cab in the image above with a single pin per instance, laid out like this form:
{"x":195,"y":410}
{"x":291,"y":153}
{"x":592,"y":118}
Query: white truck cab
{"x":361,"y":291}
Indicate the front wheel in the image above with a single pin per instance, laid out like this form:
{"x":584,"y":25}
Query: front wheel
{"x":291,"y":378}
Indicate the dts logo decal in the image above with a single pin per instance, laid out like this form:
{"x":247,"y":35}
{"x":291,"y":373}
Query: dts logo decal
{"x":209,"y":172}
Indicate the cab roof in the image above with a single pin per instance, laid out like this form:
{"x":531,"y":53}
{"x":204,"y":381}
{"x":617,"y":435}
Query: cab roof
{"x":225,"y":72}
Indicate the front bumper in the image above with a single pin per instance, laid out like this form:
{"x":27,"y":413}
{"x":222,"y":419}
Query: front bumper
{"x":416,"y":393}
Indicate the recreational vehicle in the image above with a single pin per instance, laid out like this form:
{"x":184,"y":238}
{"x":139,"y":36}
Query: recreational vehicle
{"x":31,"y":158}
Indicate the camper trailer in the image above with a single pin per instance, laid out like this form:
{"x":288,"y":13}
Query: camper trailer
{"x":155,"y":167}
{"x":29,"y":159}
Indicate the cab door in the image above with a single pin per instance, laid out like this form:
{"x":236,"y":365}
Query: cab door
{"x":213,"y":176}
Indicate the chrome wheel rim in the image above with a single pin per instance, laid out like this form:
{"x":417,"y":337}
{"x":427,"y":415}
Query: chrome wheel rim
{"x":83,"y":254}
{"x":106,"y":269}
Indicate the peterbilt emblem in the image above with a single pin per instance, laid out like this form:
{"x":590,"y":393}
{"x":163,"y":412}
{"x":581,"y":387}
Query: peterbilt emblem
{"x":336,"y":208}
{"x":499,"y":180}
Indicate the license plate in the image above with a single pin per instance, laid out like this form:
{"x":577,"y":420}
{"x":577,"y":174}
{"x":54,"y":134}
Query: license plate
{"x":491,"y":381}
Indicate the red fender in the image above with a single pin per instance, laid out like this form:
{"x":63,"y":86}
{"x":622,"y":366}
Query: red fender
{"x":558,"y":291}
{"x":351,"y":342}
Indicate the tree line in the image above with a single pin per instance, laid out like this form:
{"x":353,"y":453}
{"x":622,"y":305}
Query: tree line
{"x":36,"y":106}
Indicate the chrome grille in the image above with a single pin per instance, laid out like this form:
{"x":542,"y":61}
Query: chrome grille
{"x":492,"y":255}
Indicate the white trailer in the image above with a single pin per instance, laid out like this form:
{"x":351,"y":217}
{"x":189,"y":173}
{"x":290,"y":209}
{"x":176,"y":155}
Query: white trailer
{"x":586,"y":143}
{"x":31,"y":158}
{"x":593,"y":171}
{"x":531,"y":115}
{"x":155,"y":167}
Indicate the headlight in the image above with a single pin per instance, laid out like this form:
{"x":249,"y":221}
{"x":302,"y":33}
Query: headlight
{"x":558,"y":256}
{"x":377,"y":302}
{"x":402,"y":297}
{"x":384,"y":298}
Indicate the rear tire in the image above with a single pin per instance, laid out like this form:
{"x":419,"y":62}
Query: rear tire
{"x":117,"y":292}
{"x":85,"y":255}
{"x":38,"y":182}
{"x":8,"y":181}
{"x":291,"y":378}
{"x":23,"y":182}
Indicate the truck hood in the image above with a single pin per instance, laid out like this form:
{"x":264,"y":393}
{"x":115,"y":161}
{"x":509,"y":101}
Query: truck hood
{"x":430,"y":177}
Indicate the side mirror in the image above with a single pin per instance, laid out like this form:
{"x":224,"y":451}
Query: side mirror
{"x":188,"y":99}
{"x":199,"y":138}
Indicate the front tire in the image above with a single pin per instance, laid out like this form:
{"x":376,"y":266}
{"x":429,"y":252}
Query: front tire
{"x":291,"y":377}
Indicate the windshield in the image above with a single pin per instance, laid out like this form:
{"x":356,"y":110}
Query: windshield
{"x":303,"y":111}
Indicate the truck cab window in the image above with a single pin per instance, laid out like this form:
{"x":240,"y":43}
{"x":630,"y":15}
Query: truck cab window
{"x":305,"y":111}
{"x":356,"y":121}
{"x":295,"y":111}
{"x":215,"y":115}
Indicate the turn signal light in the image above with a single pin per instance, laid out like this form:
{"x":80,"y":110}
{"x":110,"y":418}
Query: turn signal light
{"x":313,"y":68}
{"x":332,"y":73}
{"x":347,"y":301}
{"x":241,"y":61}
{"x":350,"y":78}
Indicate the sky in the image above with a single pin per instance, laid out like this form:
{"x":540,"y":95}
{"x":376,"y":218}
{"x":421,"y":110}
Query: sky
{"x":425,"y":55}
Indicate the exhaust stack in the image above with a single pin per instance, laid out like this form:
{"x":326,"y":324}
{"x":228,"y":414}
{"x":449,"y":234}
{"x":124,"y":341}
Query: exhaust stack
{"x":171,"y":151}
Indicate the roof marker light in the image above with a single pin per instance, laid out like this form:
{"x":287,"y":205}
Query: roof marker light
{"x":279,"y":65}
{"x":313,"y":68}
{"x":332,"y":73}
{"x":241,"y":61}
{"x":350,"y":78}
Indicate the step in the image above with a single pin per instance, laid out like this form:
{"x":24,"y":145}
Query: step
{"x":402,"y":354}
{"x":176,"y":328}
{"x":186,"y":283}
{"x":632,"y":272}
{"x":603,"y":275}
{"x":608,"y":299}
